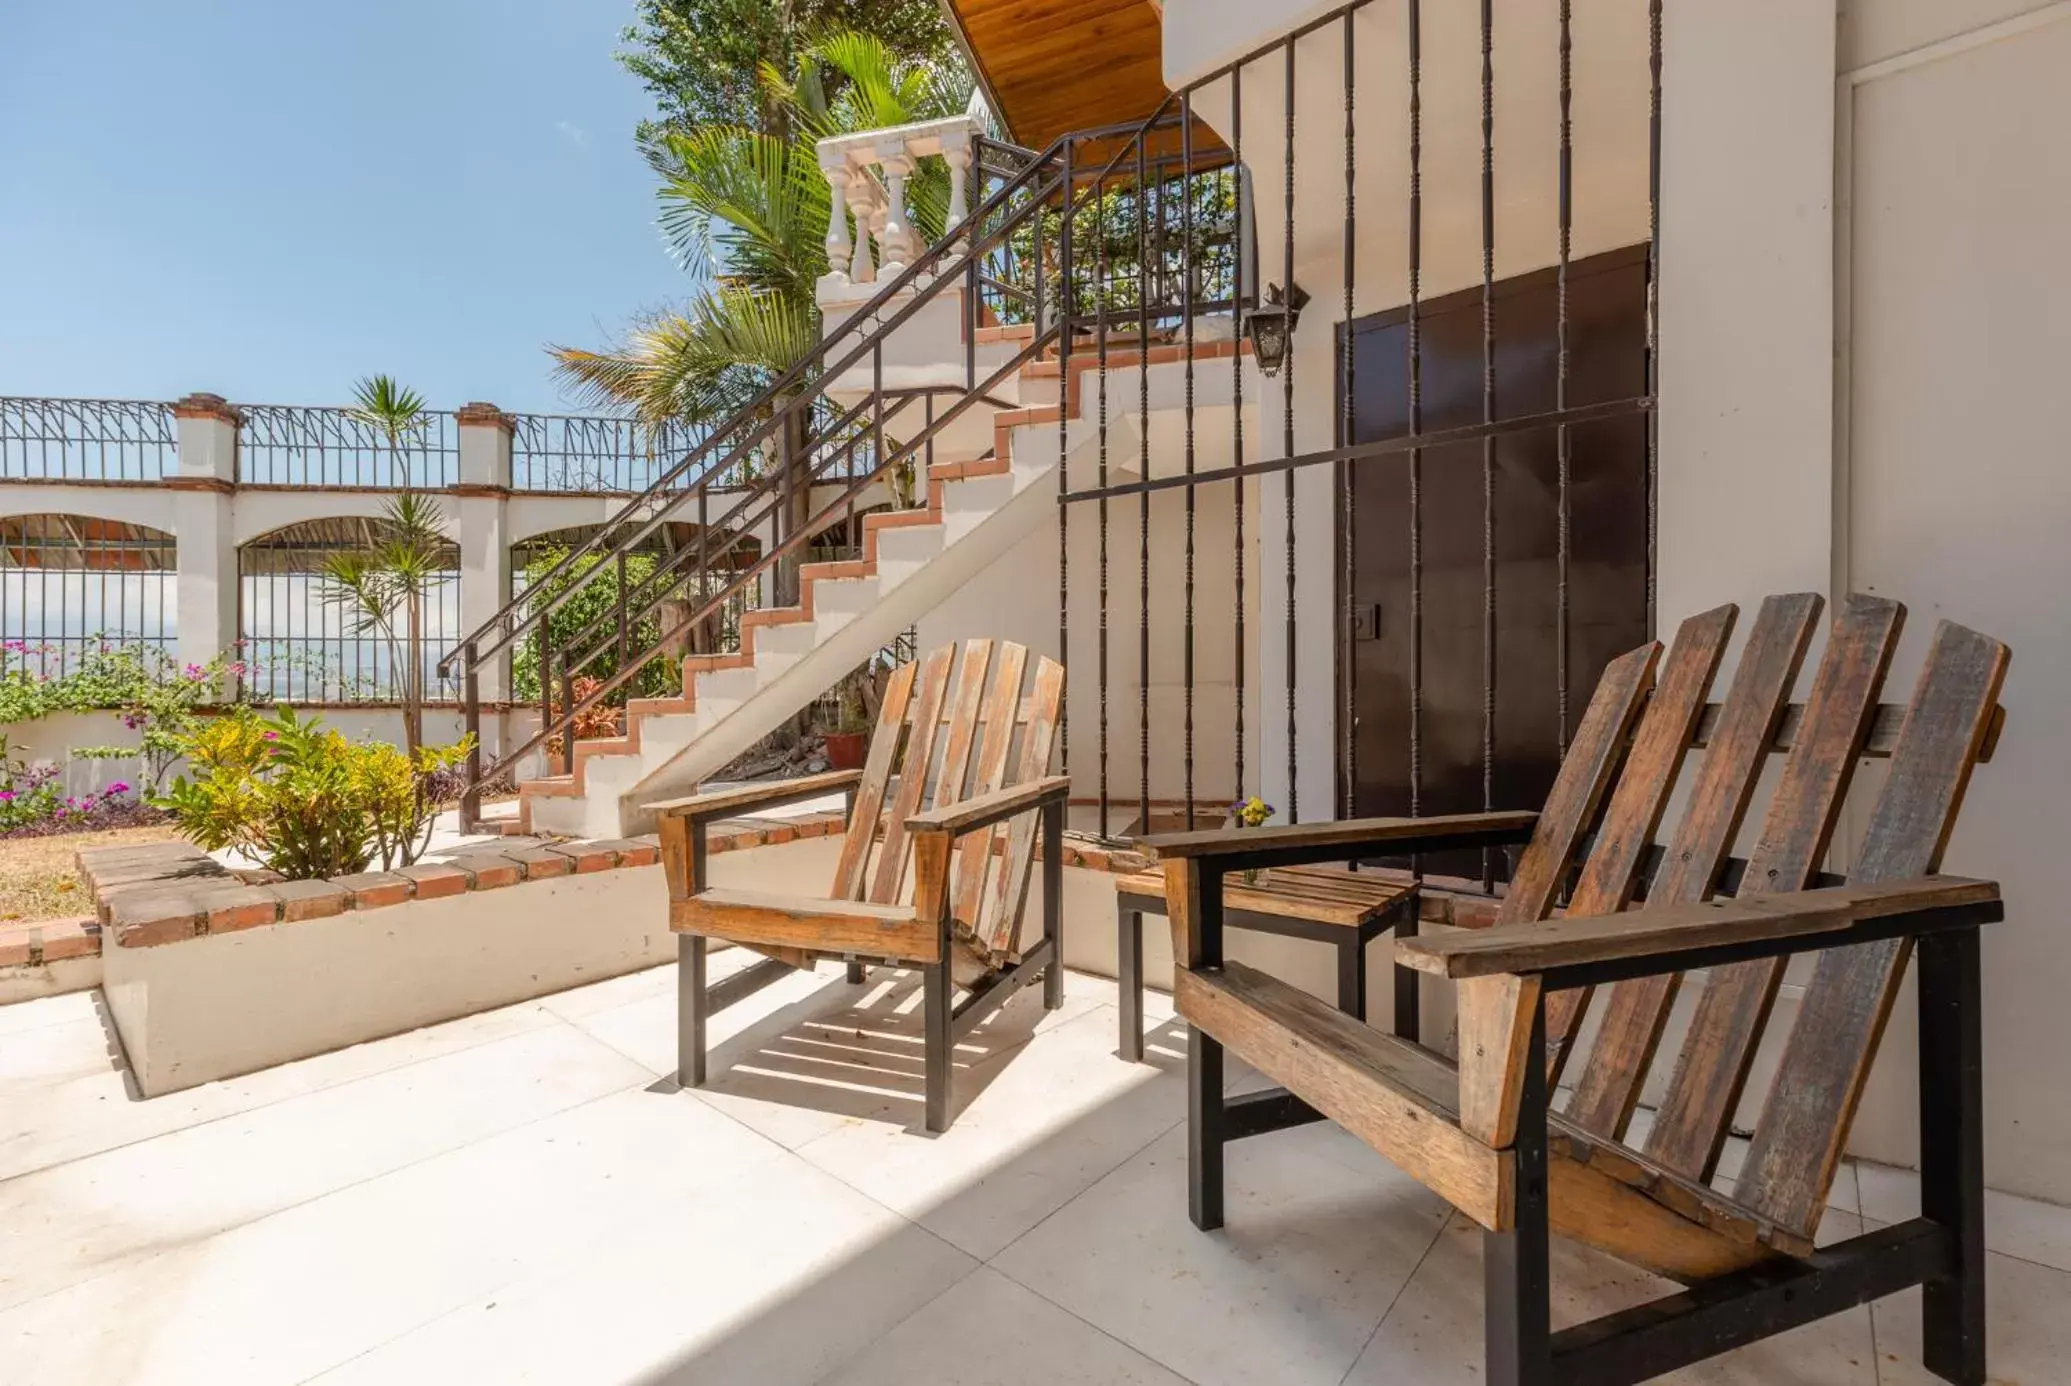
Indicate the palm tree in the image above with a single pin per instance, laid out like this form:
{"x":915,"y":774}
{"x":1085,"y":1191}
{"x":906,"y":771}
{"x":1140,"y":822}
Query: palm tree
{"x":745,"y":212}
{"x":405,"y":554}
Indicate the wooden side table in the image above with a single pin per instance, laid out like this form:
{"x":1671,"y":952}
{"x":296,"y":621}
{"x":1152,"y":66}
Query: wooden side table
{"x":1326,"y":904}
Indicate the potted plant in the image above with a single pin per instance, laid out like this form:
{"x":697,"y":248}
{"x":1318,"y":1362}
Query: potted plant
{"x":848,"y":740}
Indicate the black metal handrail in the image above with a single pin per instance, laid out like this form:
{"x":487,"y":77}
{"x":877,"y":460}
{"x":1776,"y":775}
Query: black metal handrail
{"x":769,"y":405}
{"x":1045,"y":187}
{"x":555,"y":718}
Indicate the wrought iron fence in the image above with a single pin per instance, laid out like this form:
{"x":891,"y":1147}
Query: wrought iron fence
{"x":309,"y":637}
{"x":667,"y":624}
{"x":71,"y":585}
{"x":299,"y":445}
{"x":1176,"y":233}
{"x":1466,"y":423}
{"x":585,"y":454}
{"x":87,"y":439}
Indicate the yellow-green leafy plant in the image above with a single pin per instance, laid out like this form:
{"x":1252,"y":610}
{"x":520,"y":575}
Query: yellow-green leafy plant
{"x":1251,"y":813}
{"x":300,"y":798}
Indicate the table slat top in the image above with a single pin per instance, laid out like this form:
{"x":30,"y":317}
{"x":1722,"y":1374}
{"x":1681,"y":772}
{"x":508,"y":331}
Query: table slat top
{"x":1316,"y":894}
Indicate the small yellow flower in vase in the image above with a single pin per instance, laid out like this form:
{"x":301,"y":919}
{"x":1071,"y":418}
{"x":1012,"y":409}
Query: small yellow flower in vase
{"x":1251,"y":813}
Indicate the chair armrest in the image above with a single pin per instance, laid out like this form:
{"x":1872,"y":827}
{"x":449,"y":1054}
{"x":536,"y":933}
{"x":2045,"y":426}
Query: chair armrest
{"x":984,"y":810}
{"x":1677,"y":937}
{"x":724,"y":803}
{"x":1296,"y":844}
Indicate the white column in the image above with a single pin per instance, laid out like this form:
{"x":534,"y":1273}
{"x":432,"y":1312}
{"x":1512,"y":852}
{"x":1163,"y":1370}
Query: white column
{"x":483,"y":532}
{"x":833,"y":285}
{"x":862,"y":269}
{"x":956,"y":152}
{"x":203,"y":517}
{"x":898,"y":241}
{"x":1746,"y":304}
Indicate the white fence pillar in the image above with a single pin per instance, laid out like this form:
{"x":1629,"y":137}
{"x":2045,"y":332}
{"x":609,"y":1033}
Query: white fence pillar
{"x":483,"y":498}
{"x":202,"y":509}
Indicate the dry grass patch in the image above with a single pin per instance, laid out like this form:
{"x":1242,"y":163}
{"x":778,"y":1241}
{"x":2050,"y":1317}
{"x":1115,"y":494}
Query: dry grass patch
{"x":38,"y":877}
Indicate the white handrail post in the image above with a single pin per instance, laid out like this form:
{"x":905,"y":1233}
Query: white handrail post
{"x":956,"y":152}
{"x":834,"y":284}
{"x":899,"y":250}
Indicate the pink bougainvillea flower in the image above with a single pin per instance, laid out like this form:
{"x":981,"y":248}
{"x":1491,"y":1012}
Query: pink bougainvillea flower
{"x":119,"y":787}
{"x":195,"y":671}
{"x":273,"y":736}
{"x":6,"y":796}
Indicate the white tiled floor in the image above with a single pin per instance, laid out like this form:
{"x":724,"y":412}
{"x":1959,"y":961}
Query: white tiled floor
{"x":524,"y":1196}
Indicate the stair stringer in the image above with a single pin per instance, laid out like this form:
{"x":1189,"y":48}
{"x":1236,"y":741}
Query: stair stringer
{"x":803,"y":679}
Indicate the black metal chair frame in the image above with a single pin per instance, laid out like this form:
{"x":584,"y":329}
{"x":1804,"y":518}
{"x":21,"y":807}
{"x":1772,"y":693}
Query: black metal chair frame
{"x":1399,"y":919}
{"x":1942,"y":1250}
{"x":945,"y":1021}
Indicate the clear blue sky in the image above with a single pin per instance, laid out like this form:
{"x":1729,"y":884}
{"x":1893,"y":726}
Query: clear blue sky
{"x":271,"y":198}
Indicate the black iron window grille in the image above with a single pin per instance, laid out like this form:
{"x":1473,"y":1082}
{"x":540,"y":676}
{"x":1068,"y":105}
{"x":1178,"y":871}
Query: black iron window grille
{"x":71,"y":585}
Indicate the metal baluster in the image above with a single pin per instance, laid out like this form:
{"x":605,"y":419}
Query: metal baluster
{"x":1564,"y":444}
{"x":1242,"y":204}
{"x":546,"y":701}
{"x":1653,"y":305}
{"x":1102,"y":271}
{"x":1348,"y":741}
{"x":1488,"y":416}
{"x":1148,"y":197}
{"x":624,"y":634}
{"x":1287,"y":446}
{"x":1416,"y":410}
{"x":1186,"y":289}
{"x":1063,"y":429}
{"x":471,"y":699}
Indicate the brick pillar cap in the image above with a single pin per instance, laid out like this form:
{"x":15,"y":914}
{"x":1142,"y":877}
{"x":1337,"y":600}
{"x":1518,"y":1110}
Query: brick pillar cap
{"x":479,"y":412}
{"x":203,"y":405}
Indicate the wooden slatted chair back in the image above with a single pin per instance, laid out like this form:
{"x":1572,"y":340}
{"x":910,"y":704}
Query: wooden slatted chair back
{"x":962,"y":720}
{"x":1649,"y":714}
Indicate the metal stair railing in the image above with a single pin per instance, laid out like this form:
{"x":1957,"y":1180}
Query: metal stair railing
{"x":783,"y":410}
{"x":1015,"y":246}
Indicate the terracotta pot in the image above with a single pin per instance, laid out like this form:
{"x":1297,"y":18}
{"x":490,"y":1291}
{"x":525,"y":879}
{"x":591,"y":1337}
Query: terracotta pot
{"x":845,"y":749}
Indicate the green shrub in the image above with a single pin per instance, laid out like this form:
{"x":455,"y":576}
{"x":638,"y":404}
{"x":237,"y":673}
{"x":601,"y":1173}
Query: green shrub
{"x":300,"y":799}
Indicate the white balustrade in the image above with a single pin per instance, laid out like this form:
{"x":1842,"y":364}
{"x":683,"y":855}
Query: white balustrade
{"x":868,"y":178}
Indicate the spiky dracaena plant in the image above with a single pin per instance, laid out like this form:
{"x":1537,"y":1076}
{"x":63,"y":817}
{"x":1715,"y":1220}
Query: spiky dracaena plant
{"x":406,"y":553}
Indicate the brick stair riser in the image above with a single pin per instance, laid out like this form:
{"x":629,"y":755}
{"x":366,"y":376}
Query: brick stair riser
{"x":715,"y":685}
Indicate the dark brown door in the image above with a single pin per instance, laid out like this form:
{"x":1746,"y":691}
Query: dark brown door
{"x":1455,"y":742}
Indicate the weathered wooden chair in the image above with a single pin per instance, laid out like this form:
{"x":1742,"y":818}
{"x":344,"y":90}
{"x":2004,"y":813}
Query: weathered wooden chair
{"x":1482,"y":1133}
{"x":949,"y":788}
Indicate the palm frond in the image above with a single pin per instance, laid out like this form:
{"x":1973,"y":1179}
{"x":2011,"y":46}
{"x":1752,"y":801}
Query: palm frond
{"x":356,"y":582}
{"x":745,"y":206}
{"x":388,"y":405}
{"x":702,"y":365}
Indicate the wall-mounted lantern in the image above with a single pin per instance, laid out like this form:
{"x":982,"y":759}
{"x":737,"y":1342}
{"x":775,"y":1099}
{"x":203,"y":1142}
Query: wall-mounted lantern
{"x":1271,"y":326}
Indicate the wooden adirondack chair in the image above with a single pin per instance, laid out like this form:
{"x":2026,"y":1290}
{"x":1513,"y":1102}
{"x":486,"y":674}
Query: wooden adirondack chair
{"x":950,"y":790}
{"x":1483,"y":1134}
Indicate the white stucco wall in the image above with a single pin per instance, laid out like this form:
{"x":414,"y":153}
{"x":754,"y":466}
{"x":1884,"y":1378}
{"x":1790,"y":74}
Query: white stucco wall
{"x":1861,"y":315}
{"x":1016,"y":598}
{"x":1953,"y":491}
{"x":53,"y":739}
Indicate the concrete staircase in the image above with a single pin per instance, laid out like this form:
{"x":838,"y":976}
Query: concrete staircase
{"x":993,"y":482}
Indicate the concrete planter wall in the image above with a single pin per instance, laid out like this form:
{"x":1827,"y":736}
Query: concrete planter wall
{"x":208,"y":975}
